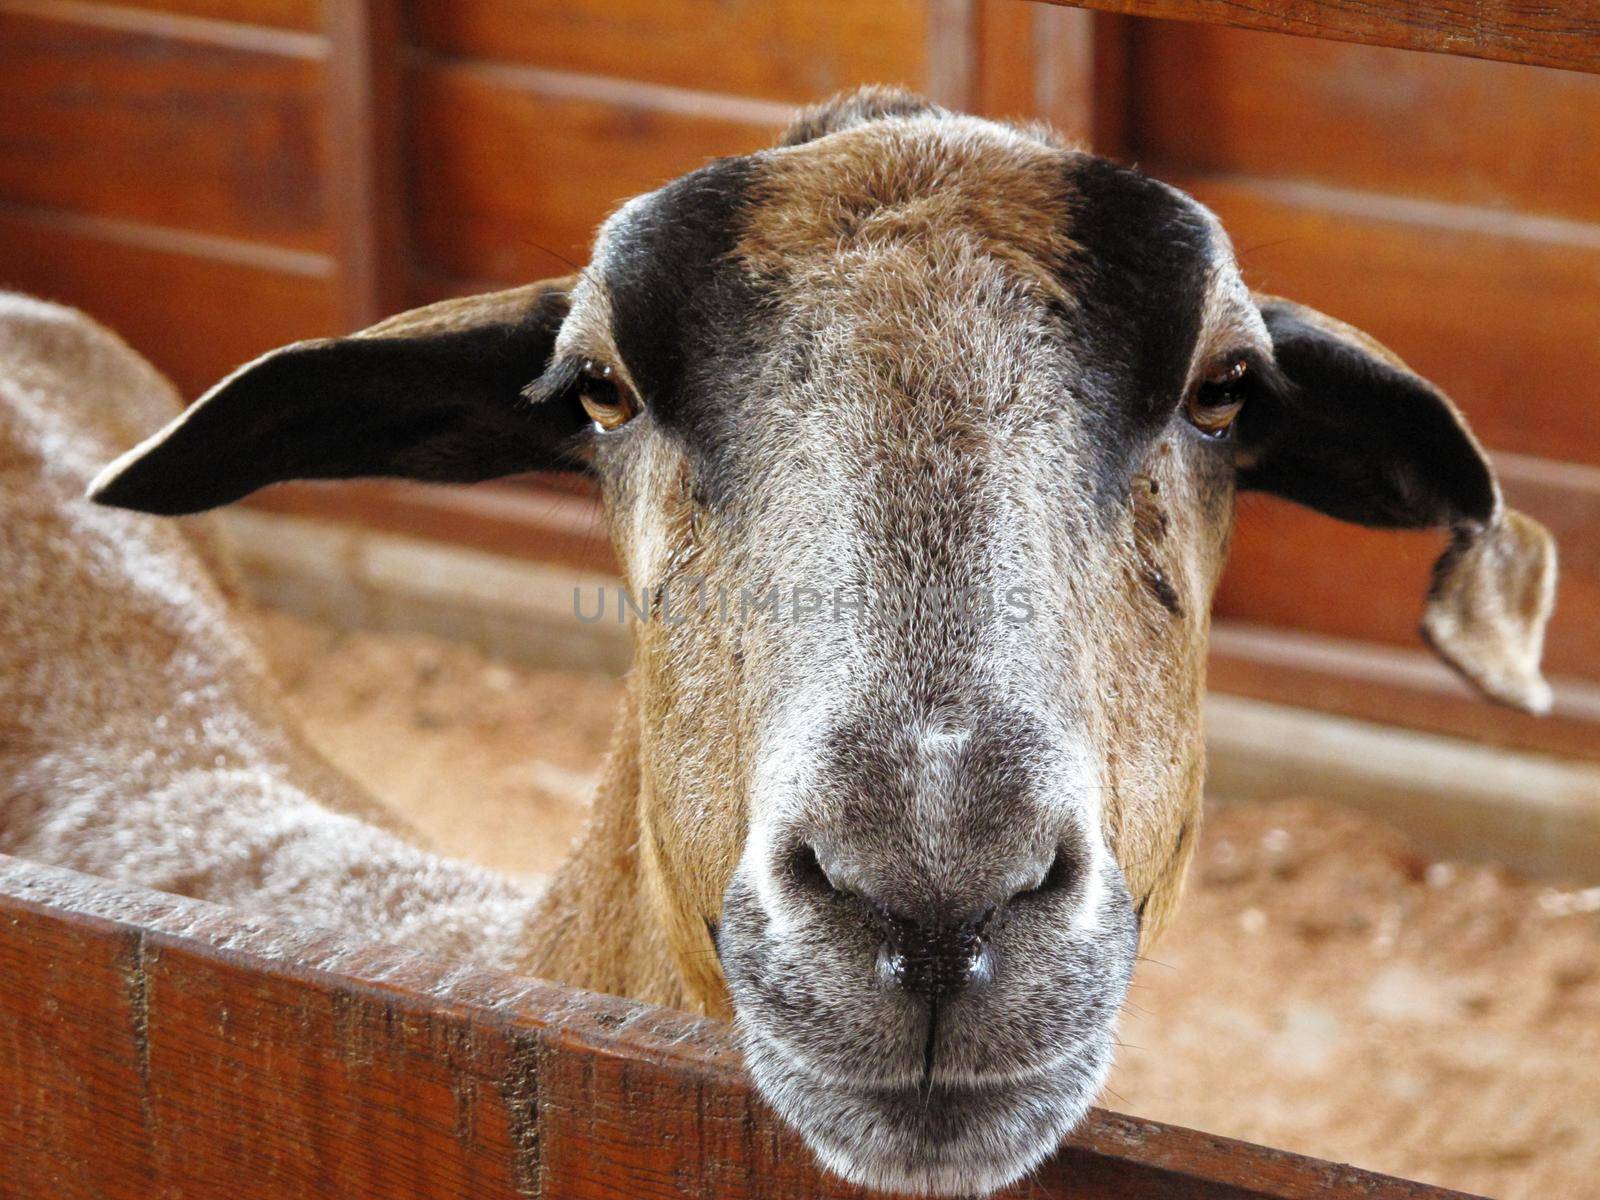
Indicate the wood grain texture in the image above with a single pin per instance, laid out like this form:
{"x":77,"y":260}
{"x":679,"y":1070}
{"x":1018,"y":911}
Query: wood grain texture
{"x":190,"y":134}
{"x":152,"y":1045}
{"x":1457,"y":130}
{"x":1005,"y":59}
{"x":1501,"y":311}
{"x":197,"y":308}
{"x":790,"y":50}
{"x":305,"y":15}
{"x":512,"y":169}
{"x":1538,"y":32}
{"x":366,"y":173}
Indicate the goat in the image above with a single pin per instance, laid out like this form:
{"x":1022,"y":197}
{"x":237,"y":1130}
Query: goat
{"x":992,"y":398}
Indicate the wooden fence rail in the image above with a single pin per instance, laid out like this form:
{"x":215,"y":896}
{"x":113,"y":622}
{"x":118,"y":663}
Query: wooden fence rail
{"x":157,"y":1046}
{"x":1549,"y":33}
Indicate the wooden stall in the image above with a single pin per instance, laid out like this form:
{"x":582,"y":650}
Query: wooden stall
{"x":217,"y":177}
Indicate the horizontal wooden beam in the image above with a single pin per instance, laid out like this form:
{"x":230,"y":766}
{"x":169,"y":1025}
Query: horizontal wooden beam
{"x":1406,"y":687}
{"x":357,"y":577}
{"x":583,"y":142}
{"x":289,"y":31}
{"x":154,"y":1045}
{"x":549,"y":524}
{"x":146,"y":237}
{"x":1536,"y":815}
{"x":143,"y":283}
{"x":620,"y":93}
{"x":788,"y":52}
{"x":1523,"y":31}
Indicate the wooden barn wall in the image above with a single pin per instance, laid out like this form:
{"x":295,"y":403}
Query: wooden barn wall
{"x":217,"y":177}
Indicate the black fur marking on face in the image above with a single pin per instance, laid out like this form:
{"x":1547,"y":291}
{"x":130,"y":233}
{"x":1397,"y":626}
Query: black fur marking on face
{"x":685,"y":311}
{"x":1139,"y":280}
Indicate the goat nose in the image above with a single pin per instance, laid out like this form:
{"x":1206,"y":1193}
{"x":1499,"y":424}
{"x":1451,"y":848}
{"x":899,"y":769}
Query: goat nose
{"x":933,"y":959}
{"x":942,"y":945}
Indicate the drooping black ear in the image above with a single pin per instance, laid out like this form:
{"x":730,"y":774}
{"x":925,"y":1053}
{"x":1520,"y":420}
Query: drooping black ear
{"x":1350,"y":430}
{"x":431,"y":394}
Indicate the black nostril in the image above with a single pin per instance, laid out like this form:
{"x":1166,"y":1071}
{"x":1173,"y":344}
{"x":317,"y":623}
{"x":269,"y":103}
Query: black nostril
{"x":933,"y":960}
{"x":1061,"y":875}
{"x":805,"y":869}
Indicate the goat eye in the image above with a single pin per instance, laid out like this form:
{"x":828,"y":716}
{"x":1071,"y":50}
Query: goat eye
{"x":609,"y":402}
{"x":1214,"y":404}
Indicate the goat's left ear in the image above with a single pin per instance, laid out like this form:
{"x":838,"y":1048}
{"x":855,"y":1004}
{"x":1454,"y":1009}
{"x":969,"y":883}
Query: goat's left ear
{"x":435,"y":394}
{"x":1350,"y":430}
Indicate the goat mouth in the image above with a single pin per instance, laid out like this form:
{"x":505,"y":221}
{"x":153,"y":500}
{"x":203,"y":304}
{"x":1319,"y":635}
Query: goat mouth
{"x":914,"y":1078}
{"x":934,"y":1136}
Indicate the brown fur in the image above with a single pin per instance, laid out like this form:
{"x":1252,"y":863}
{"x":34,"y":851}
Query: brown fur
{"x":683,"y":749}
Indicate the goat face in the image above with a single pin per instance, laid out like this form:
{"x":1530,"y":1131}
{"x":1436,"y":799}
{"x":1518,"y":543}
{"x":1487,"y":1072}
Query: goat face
{"x":922,"y":436}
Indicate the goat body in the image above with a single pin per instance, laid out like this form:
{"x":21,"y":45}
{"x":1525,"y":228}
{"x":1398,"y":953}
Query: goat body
{"x":140,"y":738}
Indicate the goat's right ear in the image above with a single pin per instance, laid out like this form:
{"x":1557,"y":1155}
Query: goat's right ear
{"x":1350,"y":430}
{"x":431,"y":394}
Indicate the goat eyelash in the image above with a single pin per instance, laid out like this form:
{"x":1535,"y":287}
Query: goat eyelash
{"x":559,"y":378}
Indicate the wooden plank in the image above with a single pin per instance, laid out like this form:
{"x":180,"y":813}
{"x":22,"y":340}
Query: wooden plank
{"x":1534,"y":815}
{"x":1005,"y":87}
{"x":953,"y":54}
{"x":1501,"y":310}
{"x":582,"y":147}
{"x":1085,"y":75}
{"x":137,"y":124}
{"x":1062,"y":66}
{"x":534,"y":520}
{"x":807,"y":48}
{"x":265,"y":26}
{"x":1409,"y":688}
{"x":196,"y":307}
{"x":1525,"y":31}
{"x":1066,"y":82}
{"x":278,"y":14}
{"x":157,"y":1045}
{"x":1462,"y":131}
{"x":357,"y":577}
{"x":365,"y":169}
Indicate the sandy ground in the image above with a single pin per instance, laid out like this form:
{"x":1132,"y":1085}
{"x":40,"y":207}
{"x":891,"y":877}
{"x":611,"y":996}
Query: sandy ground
{"x":491,"y":762}
{"x":1325,"y":989}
